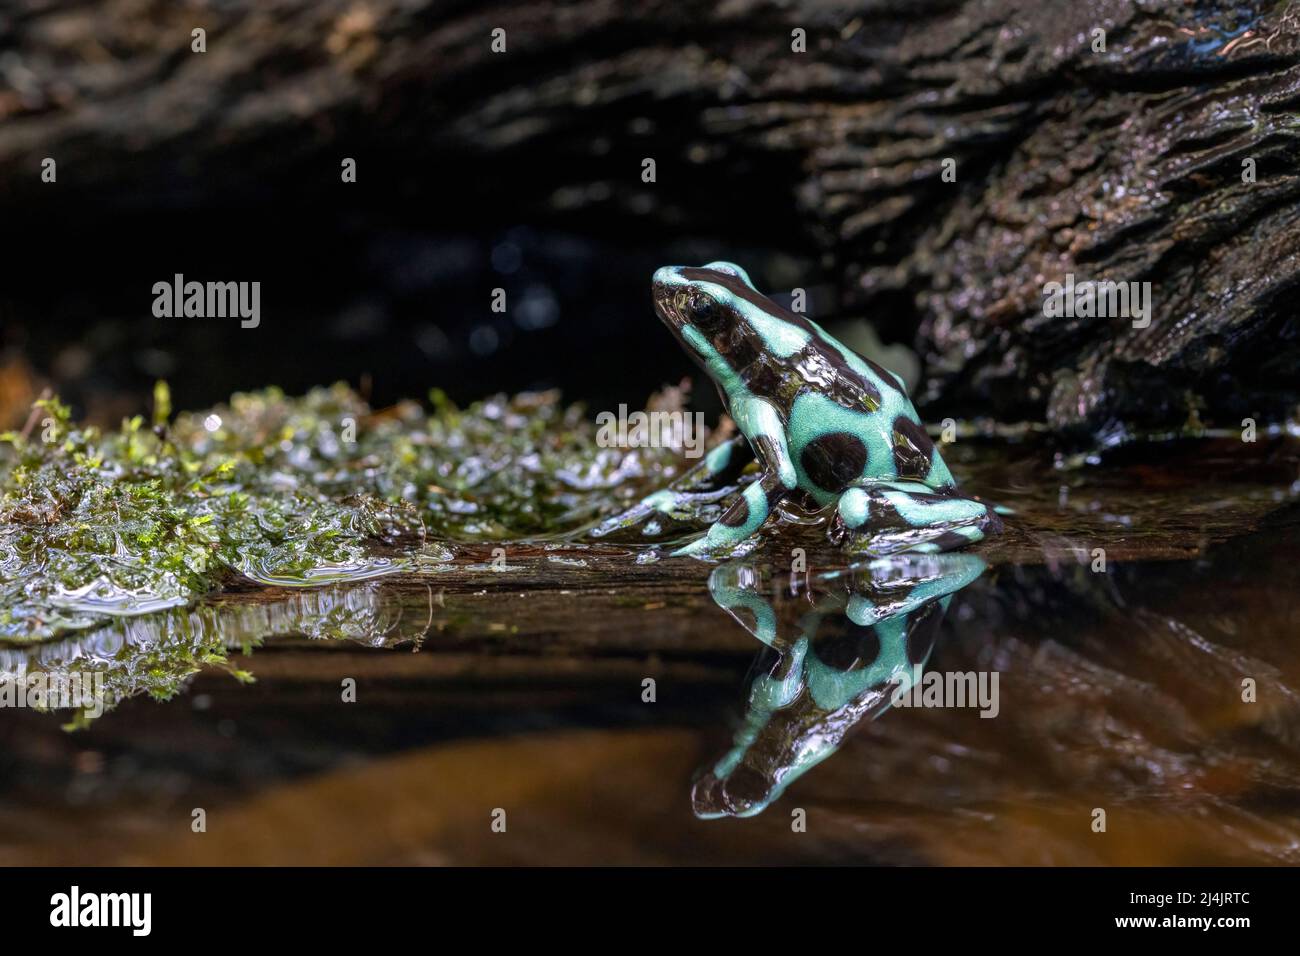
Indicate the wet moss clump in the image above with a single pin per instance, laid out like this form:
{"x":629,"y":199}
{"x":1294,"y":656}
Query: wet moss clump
{"x":283,"y":491}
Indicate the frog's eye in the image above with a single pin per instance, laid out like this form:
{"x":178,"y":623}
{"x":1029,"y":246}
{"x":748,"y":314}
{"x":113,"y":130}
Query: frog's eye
{"x":703,"y":310}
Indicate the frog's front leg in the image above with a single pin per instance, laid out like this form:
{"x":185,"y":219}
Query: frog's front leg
{"x":760,"y":421}
{"x":745,"y":516}
{"x":719,"y":468}
{"x":895,"y":516}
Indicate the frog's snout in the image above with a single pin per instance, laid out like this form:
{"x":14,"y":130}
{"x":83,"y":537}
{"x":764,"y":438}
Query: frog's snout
{"x":659,"y":285}
{"x":662,"y":286}
{"x":664,"y":280}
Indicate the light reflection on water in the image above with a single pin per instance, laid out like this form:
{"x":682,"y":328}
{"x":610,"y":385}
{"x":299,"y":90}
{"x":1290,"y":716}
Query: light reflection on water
{"x":157,"y":654}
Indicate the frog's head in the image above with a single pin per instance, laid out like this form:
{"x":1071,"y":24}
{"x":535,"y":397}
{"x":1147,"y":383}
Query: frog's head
{"x":698,"y":297}
{"x":706,"y":309}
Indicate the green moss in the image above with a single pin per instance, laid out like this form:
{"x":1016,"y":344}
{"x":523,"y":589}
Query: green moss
{"x":284,"y":491}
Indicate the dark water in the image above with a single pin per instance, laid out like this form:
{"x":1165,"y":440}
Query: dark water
{"x":1136,"y":631}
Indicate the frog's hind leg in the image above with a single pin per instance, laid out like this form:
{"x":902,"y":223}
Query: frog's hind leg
{"x":700,"y":484}
{"x":893,"y":516}
{"x":745,"y":516}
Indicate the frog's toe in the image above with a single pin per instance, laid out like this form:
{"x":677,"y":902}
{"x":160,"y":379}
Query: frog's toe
{"x":659,"y":503}
{"x":697,"y":548}
{"x":854,"y":508}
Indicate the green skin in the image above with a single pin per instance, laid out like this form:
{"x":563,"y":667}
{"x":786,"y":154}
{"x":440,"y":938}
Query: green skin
{"x":802,"y":709}
{"x":826,"y":425}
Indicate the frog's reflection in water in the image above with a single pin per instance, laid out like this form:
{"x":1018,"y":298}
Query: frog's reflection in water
{"x":845,"y":649}
{"x":836,"y":650}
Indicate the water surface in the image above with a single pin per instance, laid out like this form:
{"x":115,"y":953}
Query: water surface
{"x":521,"y":685}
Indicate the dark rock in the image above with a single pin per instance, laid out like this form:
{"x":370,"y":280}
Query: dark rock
{"x":1123,"y":165}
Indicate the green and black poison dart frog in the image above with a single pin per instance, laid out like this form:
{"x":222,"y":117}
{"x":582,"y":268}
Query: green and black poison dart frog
{"x":826,"y":425}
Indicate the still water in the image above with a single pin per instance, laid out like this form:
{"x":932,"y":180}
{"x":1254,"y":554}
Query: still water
{"x":1115,"y":679}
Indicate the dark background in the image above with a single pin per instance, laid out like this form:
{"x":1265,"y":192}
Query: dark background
{"x":385,"y":283}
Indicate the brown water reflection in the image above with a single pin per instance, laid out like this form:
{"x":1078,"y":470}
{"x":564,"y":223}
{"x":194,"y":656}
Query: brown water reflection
{"x":1119,"y":691}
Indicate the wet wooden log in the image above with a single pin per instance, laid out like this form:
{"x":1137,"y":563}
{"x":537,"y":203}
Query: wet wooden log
{"x":1103,"y":139}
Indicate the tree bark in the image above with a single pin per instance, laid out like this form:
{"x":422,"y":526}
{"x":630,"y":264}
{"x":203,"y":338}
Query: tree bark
{"x":1121,"y":164}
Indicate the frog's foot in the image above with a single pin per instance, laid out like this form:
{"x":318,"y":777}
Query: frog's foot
{"x":702,"y":485}
{"x":894,"y":516}
{"x":661,"y":503}
{"x":745,"y":516}
{"x":736,"y":588}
